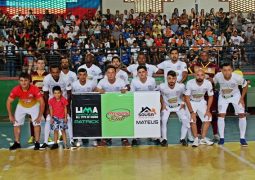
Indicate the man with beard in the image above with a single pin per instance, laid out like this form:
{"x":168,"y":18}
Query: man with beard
{"x":195,"y":93}
{"x":174,"y":64}
{"x":210,"y":70}
{"x":172,"y":100}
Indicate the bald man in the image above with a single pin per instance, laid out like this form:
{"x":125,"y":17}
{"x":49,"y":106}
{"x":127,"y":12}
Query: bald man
{"x":197,"y":105}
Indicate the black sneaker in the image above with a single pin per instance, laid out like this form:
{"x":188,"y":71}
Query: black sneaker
{"x":15,"y":146}
{"x":44,"y":146}
{"x":73,"y":144}
{"x":183,"y":142}
{"x":157,"y":142}
{"x":109,"y":142}
{"x":135,"y":142}
{"x":37,"y":146}
{"x":54,"y":146}
{"x":164,"y":143}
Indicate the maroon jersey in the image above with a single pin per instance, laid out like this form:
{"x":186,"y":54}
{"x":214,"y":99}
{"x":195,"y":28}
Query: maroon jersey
{"x":210,"y":68}
{"x":37,"y":79}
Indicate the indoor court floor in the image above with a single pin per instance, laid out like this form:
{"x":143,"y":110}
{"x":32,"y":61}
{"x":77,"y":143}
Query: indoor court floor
{"x":146,"y":162}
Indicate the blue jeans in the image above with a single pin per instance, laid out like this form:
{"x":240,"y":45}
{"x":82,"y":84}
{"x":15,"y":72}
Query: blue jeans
{"x":11,"y":67}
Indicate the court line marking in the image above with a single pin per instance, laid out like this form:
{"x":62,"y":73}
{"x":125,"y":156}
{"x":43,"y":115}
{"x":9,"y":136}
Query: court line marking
{"x":252,"y":165}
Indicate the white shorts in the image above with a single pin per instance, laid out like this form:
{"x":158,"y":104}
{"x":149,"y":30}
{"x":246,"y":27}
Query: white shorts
{"x":200,"y":107}
{"x":224,"y":102}
{"x":21,"y":112}
{"x":183,"y":114}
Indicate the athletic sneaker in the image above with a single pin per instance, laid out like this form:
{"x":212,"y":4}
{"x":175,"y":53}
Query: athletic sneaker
{"x":125,"y":143}
{"x":221,"y":142}
{"x":109,"y":142}
{"x":135,"y":142}
{"x":50,"y":140}
{"x":157,"y":142}
{"x":73,"y":145}
{"x":44,"y":146}
{"x":216,"y":138}
{"x":37,"y":146}
{"x":243,"y":143}
{"x":102,"y":143}
{"x":95,"y":144}
{"x":15,"y":146}
{"x":196,"y":142}
{"x":31,"y":140}
{"x":183,"y":142}
{"x":54,"y":146}
{"x":65,"y":147}
{"x":164,"y":143}
{"x":206,"y":141}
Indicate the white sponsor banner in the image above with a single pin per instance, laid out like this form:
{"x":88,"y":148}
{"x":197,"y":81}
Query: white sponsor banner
{"x":147,"y":114}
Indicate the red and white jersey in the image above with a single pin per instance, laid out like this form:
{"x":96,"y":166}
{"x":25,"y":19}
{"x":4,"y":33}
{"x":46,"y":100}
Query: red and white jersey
{"x":138,"y":85}
{"x":49,"y":83}
{"x":172,"y":97}
{"x":108,"y":87}
{"x":229,"y":87}
{"x":27,"y":98}
{"x":179,"y":67}
{"x":197,"y":92}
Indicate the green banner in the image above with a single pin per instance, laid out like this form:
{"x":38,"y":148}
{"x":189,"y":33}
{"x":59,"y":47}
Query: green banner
{"x":117,"y":115}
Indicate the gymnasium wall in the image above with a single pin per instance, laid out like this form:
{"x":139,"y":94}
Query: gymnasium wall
{"x":168,"y":6}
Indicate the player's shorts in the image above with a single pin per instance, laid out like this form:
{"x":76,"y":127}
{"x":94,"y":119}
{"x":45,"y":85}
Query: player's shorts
{"x":200,"y":107}
{"x":183,"y":114}
{"x":58,"y":124}
{"x":224,"y":101}
{"x":21,"y":112}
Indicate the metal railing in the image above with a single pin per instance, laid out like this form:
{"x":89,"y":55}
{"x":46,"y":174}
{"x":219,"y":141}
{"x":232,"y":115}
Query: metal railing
{"x":13,"y":61}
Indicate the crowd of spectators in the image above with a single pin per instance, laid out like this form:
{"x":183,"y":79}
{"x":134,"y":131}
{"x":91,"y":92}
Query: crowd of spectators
{"x":24,"y":37}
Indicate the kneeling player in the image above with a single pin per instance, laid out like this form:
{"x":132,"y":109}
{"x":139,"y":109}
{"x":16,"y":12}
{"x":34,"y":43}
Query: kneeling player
{"x":230,"y":93}
{"x":172,"y":101}
{"x":195,"y":93}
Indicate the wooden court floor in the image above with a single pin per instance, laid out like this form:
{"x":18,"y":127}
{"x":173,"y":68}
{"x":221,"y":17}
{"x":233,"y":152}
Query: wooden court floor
{"x":120,"y":163}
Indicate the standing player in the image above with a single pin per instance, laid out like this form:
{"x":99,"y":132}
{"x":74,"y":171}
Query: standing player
{"x":172,"y":100}
{"x":119,"y":72}
{"x":37,"y":80}
{"x":141,"y":59}
{"x":174,"y":64}
{"x":195,"y":93}
{"x":93,"y":71}
{"x":30,"y":102}
{"x":112,"y":84}
{"x":51,"y":80}
{"x":230,"y":93}
{"x":83,"y":85}
{"x":210,"y":70}
{"x":142,"y":83}
{"x":69,"y":76}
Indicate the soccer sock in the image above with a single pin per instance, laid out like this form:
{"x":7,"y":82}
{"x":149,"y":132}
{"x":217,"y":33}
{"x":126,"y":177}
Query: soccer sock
{"x":164,"y":119}
{"x":184,"y":131}
{"x":221,"y":126}
{"x":46,"y":131}
{"x":190,"y":135}
{"x":242,"y":127}
{"x":70,"y":128}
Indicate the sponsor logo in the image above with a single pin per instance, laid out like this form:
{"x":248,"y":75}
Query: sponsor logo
{"x":86,"y":114}
{"x":118,"y":114}
{"x":147,"y":112}
{"x":86,"y":110}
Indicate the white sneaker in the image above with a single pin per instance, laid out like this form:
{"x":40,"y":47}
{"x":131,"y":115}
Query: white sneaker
{"x":206,"y":141}
{"x":196,"y":142}
{"x":95,"y":143}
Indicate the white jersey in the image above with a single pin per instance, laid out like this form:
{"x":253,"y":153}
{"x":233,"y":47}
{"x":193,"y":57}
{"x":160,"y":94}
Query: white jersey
{"x":197,"y":92}
{"x":122,"y":75}
{"x":108,"y":87}
{"x":70,"y":76}
{"x":172,"y":97}
{"x":137,"y":85}
{"x":179,"y":67}
{"x":150,"y":68}
{"x":78,"y":88}
{"x":49,"y":83}
{"x":229,"y":88}
{"x":94,"y":72}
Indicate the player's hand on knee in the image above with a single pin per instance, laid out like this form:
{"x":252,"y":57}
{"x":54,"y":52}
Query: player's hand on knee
{"x":241,"y":101}
{"x":194,"y":117}
{"x":12,"y":119}
{"x":208,"y":114}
